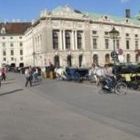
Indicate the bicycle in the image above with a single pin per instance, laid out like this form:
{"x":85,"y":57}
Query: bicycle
{"x":111,"y":84}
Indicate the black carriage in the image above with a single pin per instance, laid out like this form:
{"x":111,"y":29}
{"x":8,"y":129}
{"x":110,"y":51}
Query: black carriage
{"x":130,"y":74}
{"x":76,"y":74}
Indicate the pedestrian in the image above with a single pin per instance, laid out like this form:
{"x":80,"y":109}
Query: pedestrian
{"x":28,"y":76}
{"x":3,"y":71}
{"x":35,"y":75}
{"x":109,"y":76}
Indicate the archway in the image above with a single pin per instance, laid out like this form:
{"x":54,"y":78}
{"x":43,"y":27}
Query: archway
{"x":13,"y":65}
{"x":95,"y":59}
{"x":69,"y":60}
{"x":56,"y":61}
{"x":80,"y":60}
{"x":21,"y":64}
{"x":107,"y":59}
{"x":128,"y":58}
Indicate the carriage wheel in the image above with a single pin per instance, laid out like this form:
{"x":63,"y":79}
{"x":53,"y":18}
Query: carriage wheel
{"x":121,"y":88}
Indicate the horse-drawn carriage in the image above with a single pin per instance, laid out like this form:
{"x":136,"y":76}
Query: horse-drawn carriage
{"x":130,"y":74}
{"x":72,"y":74}
{"x":76,"y":74}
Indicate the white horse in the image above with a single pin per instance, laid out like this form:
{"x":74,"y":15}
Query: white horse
{"x":60,"y":73}
{"x":96,"y":73}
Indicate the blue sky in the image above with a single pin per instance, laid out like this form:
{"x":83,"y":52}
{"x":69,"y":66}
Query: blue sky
{"x":30,"y":9}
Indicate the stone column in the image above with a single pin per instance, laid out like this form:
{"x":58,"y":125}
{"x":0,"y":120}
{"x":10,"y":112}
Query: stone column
{"x":63,"y":36}
{"x":75,"y":39}
{"x":72,"y":41}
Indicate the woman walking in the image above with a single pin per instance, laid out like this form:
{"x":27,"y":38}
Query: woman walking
{"x":28,"y":76}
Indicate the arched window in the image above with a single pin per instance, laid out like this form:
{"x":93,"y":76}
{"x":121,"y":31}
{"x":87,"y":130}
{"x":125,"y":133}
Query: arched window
{"x":107,"y":59}
{"x":128,"y":59}
{"x":80,"y":60}
{"x":69,"y":60}
{"x":95,"y":59}
{"x":56,"y":61}
{"x":68,"y":39}
{"x":55,"y":39}
{"x":79,"y":39}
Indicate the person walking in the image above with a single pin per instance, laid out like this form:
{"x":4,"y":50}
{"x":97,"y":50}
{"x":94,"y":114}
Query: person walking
{"x":35,"y":75}
{"x":3,"y":71}
{"x":28,"y":76}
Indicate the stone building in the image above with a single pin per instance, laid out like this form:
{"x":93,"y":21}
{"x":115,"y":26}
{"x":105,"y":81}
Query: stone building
{"x":12,"y":43}
{"x":69,"y":37}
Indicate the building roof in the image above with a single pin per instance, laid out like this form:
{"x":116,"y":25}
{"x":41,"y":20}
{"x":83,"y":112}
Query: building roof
{"x":14,"y":27}
{"x":135,"y":20}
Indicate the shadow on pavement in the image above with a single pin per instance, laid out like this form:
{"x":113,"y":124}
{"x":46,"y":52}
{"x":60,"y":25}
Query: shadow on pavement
{"x":9,"y":92}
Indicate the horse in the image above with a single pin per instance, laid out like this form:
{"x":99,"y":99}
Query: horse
{"x":96,"y":73}
{"x":60,"y":73}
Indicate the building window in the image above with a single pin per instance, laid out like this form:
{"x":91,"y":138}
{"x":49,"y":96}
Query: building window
{"x":94,"y":32}
{"x":106,"y":17}
{"x":12,"y":59}
{"x":4,"y":53}
{"x":12,"y":52}
{"x":126,"y":20}
{"x":127,"y":44}
{"x":21,"y":52}
{"x":55,"y":39}
{"x":106,"y":43}
{"x":20,"y":44}
{"x":20,"y":37}
{"x":4,"y":59}
{"x":136,"y":44}
{"x":127,"y":35}
{"x":94,"y":43}
{"x":68,"y":39}
{"x":11,"y":37}
{"x":136,"y":35}
{"x":79,"y":39}
{"x":11,"y":44}
{"x":106,"y":33}
{"x":128,"y":58}
{"x":21,"y":58}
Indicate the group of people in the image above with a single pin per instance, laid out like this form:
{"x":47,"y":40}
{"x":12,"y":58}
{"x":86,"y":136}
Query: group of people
{"x":31,"y":75}
{"x":101,"y":72}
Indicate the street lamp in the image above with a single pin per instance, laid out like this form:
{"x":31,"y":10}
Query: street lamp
{"x":113,"y":35}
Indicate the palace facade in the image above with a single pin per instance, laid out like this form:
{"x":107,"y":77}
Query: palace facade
{"x":69,"y":37}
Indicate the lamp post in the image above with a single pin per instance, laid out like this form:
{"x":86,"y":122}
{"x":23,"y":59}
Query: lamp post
{"x":113,"y":35}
